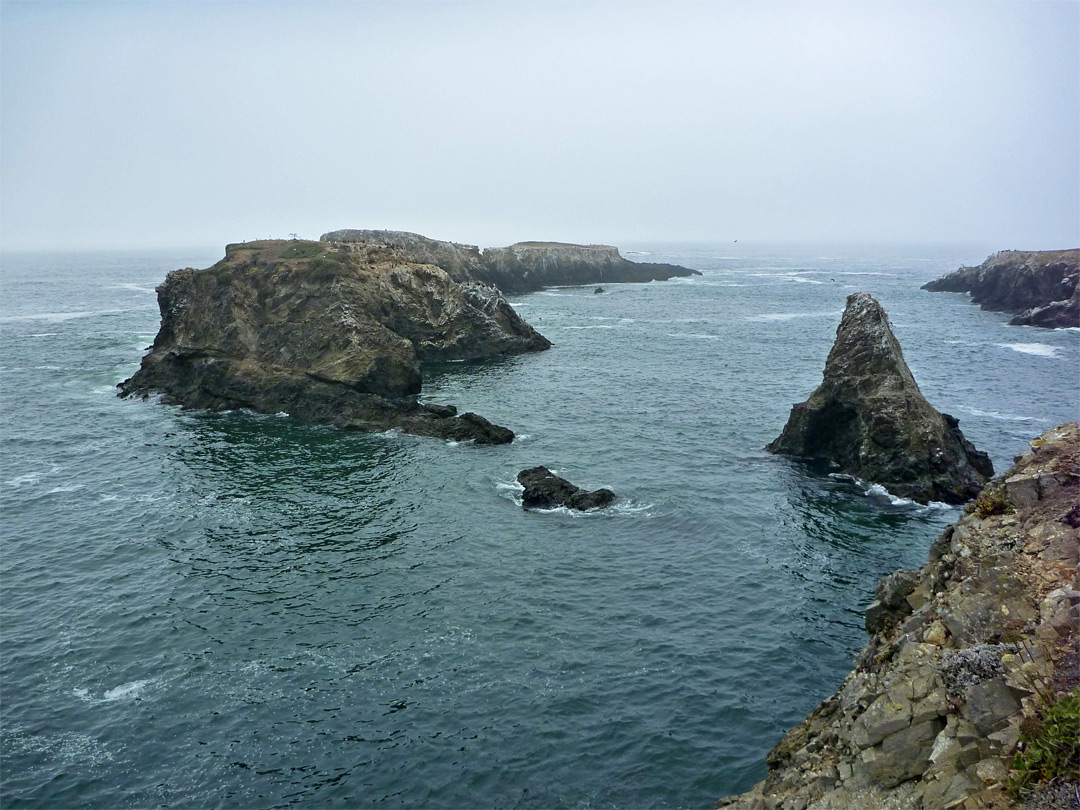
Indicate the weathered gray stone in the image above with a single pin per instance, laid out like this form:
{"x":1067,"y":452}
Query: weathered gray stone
{"x":886,"y":715}
{"x":989,"y":704}
{"x":901,"y":756}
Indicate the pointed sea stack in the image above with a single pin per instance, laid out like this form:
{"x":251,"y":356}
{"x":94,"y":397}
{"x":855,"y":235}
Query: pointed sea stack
{"x":869,"y":417}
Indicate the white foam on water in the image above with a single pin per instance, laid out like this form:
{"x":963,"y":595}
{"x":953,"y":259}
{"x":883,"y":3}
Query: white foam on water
{"x":44,"y":334}
{"x":1003,"y":416}
{"x":126,"y":691}
{"x":1037,"y":349}
{"x":130,"y":286}
{"x":60,"y":317}
{"x":880,"y":491}
{"x":70,"y":488}
{"x":281,"y":415}
{"x":789,"y":316}
{"x":692,"y":336}
{"x":31,"y":477}
{"x":596,"y":326}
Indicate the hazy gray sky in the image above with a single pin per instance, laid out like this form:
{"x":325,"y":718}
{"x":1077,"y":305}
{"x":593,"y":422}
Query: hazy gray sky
{"x":186,"y":123}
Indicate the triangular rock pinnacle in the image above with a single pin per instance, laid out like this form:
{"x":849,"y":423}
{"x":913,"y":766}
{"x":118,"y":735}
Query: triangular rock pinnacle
{"x":869,"y":417}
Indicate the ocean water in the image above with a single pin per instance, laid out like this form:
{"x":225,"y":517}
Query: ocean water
{"x":234,"y":610}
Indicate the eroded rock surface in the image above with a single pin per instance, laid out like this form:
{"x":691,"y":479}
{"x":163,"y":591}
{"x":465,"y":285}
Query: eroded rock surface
{"x":869,"y":417}
{"x":1039,"y":286}
{"x":964,"y":652}
{"x":545,"y":490}
{"x":326,"y":333}
{"x":521,"y":267}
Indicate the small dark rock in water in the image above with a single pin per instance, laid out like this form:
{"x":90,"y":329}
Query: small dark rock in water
{"x":869,"y":417}
{"x":598,"y":290}
{"x":545,"y":490}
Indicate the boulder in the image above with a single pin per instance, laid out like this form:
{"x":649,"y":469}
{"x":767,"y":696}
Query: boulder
{"x":545,"y":490}
{"x":326,"y":333}
{"x":869,"y":418}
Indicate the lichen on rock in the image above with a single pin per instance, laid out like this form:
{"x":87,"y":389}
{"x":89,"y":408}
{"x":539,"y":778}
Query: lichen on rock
{"x":870,"y":419}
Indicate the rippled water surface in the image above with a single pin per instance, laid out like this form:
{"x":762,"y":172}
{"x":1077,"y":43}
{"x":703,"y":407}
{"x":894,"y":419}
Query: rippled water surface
{"x":235,"y":610}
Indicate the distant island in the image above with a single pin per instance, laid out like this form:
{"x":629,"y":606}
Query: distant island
{"x":520,"y":268}
{"x":1039,"y":287}
{"x":336,"y":331}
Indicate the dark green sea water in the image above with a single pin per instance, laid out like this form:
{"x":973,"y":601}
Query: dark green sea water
{"x":238,"y":611}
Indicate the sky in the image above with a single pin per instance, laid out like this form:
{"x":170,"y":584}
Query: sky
{"x":174,"y":124}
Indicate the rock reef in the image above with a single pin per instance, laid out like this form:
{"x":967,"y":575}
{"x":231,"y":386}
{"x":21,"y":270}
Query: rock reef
{"x":869,"y":418}
{"x":1040,"y":287}
{"x":326,"y":333}
{"x":545,"y":490}
{"x":520,"y":268}
{"x":971,"y":656}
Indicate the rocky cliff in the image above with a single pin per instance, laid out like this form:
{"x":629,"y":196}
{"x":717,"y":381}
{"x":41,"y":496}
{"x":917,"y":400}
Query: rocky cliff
{"x":869,"y":418}
{"x":966,"y":695}
{"x":1040,"y":286}
{"x":519,"y":268}
{"x":326,"y":333}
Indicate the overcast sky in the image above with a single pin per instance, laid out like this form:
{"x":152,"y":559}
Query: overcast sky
{"x":169,"y":124}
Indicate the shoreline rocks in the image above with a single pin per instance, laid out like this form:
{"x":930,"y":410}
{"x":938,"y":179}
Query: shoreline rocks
{"x":520,"y":268}
{"x":326,"y":334}
{"x":545,"y":490}
{"x":869,"y":418}
{"x":967,"y":654}
{"x":1039,"y":287}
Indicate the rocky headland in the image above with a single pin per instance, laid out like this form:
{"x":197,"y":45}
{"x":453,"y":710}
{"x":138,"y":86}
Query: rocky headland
{"x":326,"y":332}
{"x":869,"y":418}
{"x":520,"y":268}
{"x":546,"y":490}
{"x":1039,"y":287}
{"x":966,"y":695}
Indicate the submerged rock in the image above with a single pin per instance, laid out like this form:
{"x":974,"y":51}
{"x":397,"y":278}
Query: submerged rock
{"x":545,"y":490}
{"x":1041,"y":286}
{"x":521,"y":267}
{"x":869,"y":417}
{"x":965,"y":653}
{"x":325,"y":333}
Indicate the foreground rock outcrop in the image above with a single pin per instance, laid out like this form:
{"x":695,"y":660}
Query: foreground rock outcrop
{"x":545,"y":490}
{"x":969,"y":684}
{"x":869,"y":417}
{"x":520,"y":268}
{"x":1041,"y":287}
{"x":326,"y":333}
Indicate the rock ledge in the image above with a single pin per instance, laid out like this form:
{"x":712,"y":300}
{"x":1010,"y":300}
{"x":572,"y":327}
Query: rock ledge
{"x":965,"y":652}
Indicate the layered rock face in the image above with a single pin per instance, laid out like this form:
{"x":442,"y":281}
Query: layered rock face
{"x":965,"y":654}
{"x":1040,"y":286}
{"x":545,"y":490}
{"x":869,"y":417}
{"x":325,"y":333}
{"x":519,"y":268}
